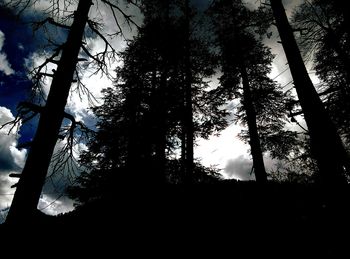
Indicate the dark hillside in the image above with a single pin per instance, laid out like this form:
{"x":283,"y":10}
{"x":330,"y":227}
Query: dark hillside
{"x":267,"y":219}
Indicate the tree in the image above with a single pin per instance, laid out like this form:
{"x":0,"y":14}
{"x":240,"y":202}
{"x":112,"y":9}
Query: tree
{"x":323,"y":38}
{"x":143,"y":116}
{"x":244,"y":57}
{"x":326,"y":145}
{"x":23,"y":207}
{"x":125,"y":147}
{"x":188,"y":127}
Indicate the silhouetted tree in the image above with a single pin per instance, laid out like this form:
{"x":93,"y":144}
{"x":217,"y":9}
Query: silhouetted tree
{"x":323,"y":37}
{"x":145,"y":111}
{"x":33,"y":176}
{"x":188,"y":127}
{"x":244,"y":57}
{"x":326,"y":145}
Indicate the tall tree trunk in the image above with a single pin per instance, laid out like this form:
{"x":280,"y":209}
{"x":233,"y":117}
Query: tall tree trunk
{"x":160,"y":136}
{"x":258,"y":161}
{"x":33,"y":176}
{"x":189,"y":129}
{"x":133,"y":158}
{"x":161,"y":112}
{"x":183,"y":154}
{"x":326,"y":145}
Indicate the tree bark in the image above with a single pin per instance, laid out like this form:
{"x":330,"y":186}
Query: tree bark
{"x":258,"y":161}
{"x":25,"y":201}
{"x":326,"y":145}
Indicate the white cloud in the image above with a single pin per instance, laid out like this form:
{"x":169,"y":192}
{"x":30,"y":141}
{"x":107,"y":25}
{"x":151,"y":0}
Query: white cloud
{"x":240,"y":168}
{"x":55,"y":204}
{"x":11,"y":159}
{"x":20,"y":46}
{"x":2,"y":39}
{"x":35,"y":60}
{"x":217,"y":150}
{"x":4,"y":64}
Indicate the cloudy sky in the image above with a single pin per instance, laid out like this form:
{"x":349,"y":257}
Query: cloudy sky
{"x":20,"y":50}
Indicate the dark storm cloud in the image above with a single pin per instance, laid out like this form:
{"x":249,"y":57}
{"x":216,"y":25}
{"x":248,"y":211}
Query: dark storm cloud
{"x":239,"y":168}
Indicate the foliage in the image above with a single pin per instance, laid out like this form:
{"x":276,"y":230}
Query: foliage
{"x":324,"y":39}
{"x":146,"y":105}
{"x":236,"y":29}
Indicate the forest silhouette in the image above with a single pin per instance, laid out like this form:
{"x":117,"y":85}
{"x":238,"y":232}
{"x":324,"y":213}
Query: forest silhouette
{"x":139,"y":176}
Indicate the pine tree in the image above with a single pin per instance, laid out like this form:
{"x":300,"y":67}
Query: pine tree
{"x":147,"y":104}
{"x":245,"y":67}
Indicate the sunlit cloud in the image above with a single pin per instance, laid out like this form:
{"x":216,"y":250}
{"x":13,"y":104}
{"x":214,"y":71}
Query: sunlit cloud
{"x":5,"y":66}
{"x":11,"y":158}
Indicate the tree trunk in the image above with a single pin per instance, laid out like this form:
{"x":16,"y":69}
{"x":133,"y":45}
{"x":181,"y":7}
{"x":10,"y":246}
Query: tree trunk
{"x":161,"y":90}
{"x":133,"y":158}
{"x":33,"y":176}
{"x":258,"y":161}
{"x":189,"y":129}
{"x":160,"y":129}
{"x":326,"y":145}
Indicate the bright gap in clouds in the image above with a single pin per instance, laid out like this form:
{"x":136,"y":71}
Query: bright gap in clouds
{"x":5,"y":66}
{"x":11,"y":161}
{"x":225,"y":152}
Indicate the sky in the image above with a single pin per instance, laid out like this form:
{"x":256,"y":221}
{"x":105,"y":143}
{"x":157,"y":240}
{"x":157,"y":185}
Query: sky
{"x":21,"y":50}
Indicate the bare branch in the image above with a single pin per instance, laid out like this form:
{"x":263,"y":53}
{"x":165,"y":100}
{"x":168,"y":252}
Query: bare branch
{"x":81,"y":89}
{"x":39,"y":72}
{"x":100,"y":59}
{"x":45,"y":74}
{"x":50,"y":20}
{"x":93,"y":26}
{"x":116,"y":21}
{"x":25,"y":112}
{"x":128,"y":18}
{"x":13,"y":175}
{"x":64,"y":160}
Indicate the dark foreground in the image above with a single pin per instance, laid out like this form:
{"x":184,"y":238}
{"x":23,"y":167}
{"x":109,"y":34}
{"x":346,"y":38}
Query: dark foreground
{"x":239,"y":218}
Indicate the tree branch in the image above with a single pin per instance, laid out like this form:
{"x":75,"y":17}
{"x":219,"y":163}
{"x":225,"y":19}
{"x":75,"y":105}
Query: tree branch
{"x":64,"y":160}
{"x":50,"y":20}
{"x":127,"y":17}
{"x":26,"y":112}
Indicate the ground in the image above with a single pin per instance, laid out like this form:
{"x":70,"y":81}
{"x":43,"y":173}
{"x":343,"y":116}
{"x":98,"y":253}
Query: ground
{"x":240,"y":217}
